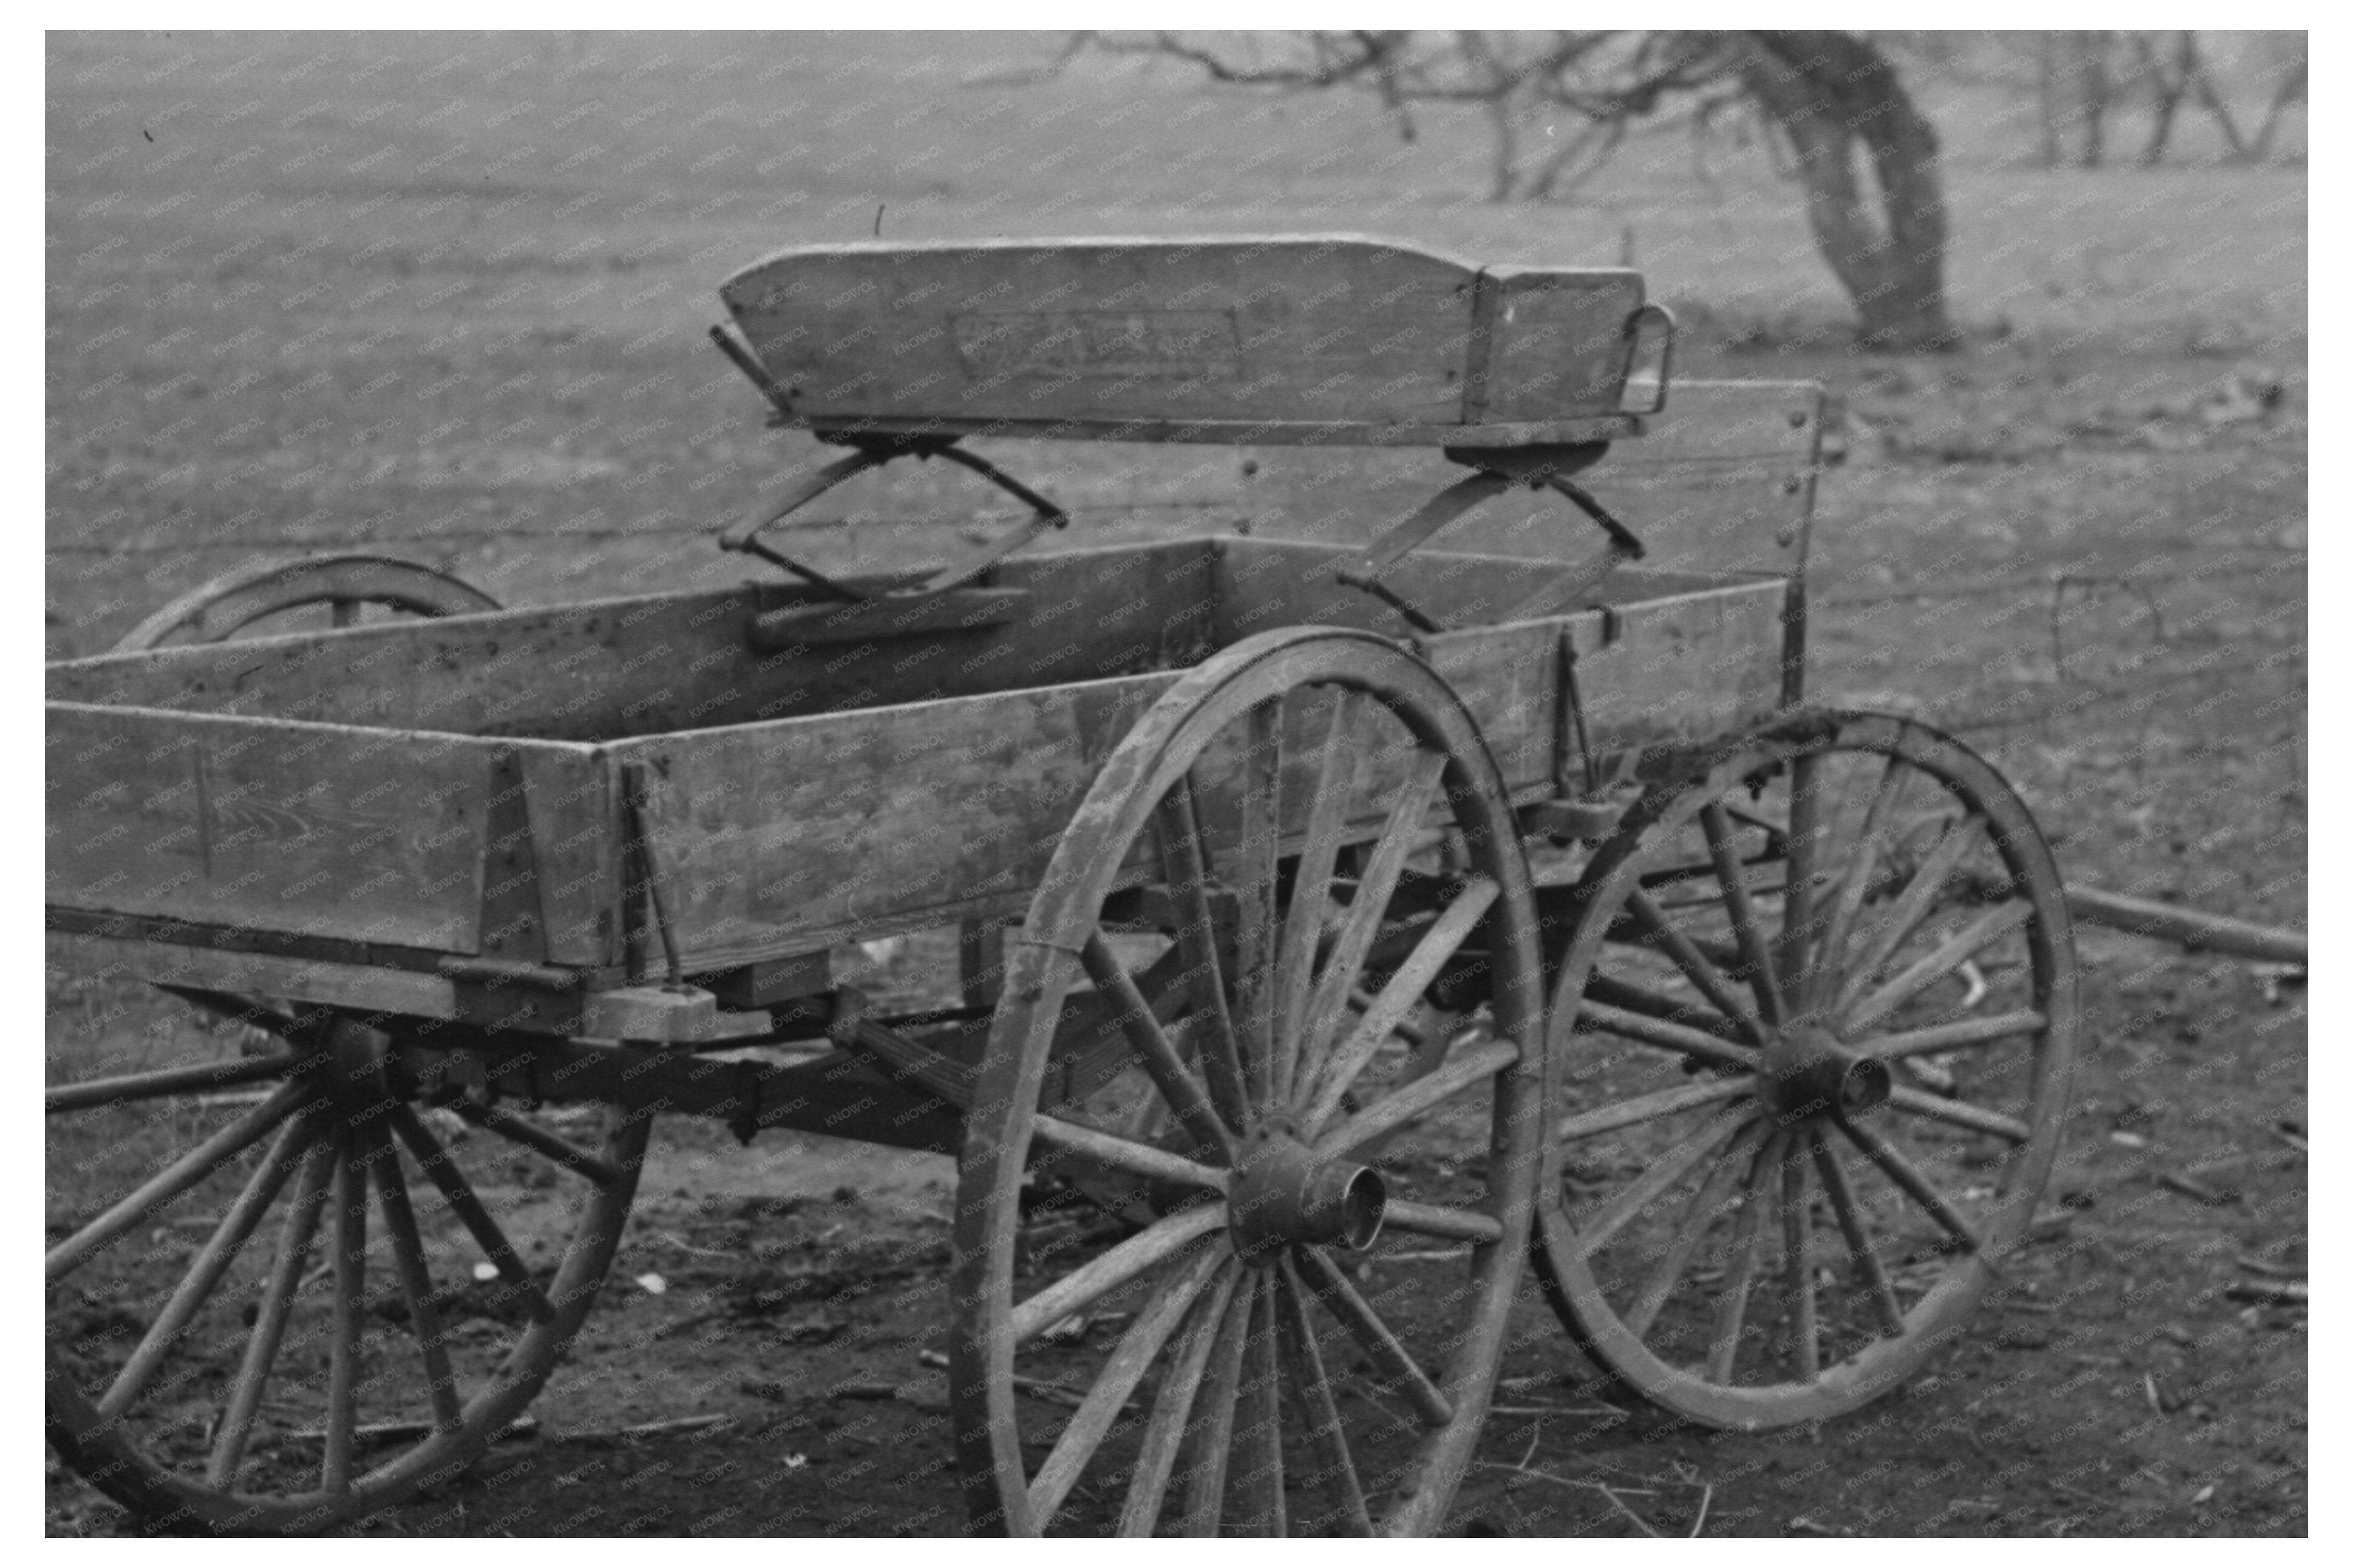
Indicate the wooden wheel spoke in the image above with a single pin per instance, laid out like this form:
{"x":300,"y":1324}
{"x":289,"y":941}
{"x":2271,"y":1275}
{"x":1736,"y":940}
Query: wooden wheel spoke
{"x":1311,"y":886}
{"x":1407,"y":811}
{"x":1658,"y":1177}
{"x":1911,"y":907}
{"x":237,"y":1227}
{"x":1797,"y":1262}
{"x":415,"y":1280}
{"x":1172,"y":1406}
{"x":1947,"y":956}
{"x":1747,"y":1242}
{"x":1160,"y":1057}
{"x":301,"y":1223}
{"x":522,"y":1129}
{"x":1255,"y":1480}
{"x":1209,"y":1436}
{"x":1847,"y":901}
{"x":1184,"y":868}
{"x":1133,"y":1357}
{"x":1858,"y":1247}
{"x":1326,"y":1077}
{"x":1708,"y":1203}
{"x":1468,"y":1069}
{"x":1650,"y":1106}
{"x":1692,"y":1043}
{"x":1101,"y":1275}
{"x":1906,"y":1176}
{"x":175,"y":1179}
{"x":1389,"y":1356}
{"x":1324,"y":1432}
{"x":1256,"y":927}
{"x":1617,"y":992}
{"x":1441,"y":1220}
{"x":441,"y":1168}
{"x":132,"y":1086}
{"x":1958,"y":1034}
{"x":1959,"y":1113}
{"x":1136,"y":1159}
{"x":349,"y":1261}
{"x":1696,"y":965}
{"x":1805,"y":847}
{"x":1748,"y":931}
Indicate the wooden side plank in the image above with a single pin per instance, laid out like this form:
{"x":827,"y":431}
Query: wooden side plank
{"x":670,"y":662}
{"x":1668,"y":671}
{"x":359,"y":835}
{"x":788,"y":835}
{"x":1723,"y":482}
{"x":793,"y":835}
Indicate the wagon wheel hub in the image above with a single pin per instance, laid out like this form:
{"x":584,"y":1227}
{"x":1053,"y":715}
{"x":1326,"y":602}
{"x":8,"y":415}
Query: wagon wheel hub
{"x":1284,"y":1194}
{"x":350,"y":1067}
{"x":1807,"y":1072}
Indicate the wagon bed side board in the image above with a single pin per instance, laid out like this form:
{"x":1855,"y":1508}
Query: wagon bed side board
{"x":401,"y":838}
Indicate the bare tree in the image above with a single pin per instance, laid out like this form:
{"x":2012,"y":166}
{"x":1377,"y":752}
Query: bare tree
{"x":2084,"y":78}
{"x":1865,"y":154}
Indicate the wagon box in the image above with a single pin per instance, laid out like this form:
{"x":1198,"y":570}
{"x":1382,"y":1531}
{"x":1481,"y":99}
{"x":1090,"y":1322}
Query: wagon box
{"x":361,"y":788}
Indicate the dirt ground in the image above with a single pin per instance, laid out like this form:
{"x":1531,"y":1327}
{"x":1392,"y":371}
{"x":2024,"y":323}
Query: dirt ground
{"x":283,"y":314}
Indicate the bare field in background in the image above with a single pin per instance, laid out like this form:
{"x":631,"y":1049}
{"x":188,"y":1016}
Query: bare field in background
{"x":448,"y":297}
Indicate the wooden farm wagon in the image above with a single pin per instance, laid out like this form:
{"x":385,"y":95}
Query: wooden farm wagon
{"x":1344,"y":925}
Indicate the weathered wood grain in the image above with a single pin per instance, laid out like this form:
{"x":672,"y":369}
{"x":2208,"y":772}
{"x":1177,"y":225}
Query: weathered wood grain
{"x":1554,"y":340}
{"x":1324,"y":339}
{"x":653,"y":664}
{"x":368,"y":834}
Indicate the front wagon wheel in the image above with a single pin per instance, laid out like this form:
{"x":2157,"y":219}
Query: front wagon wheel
{"x":287,"y":1289}
{"x":1325,"y":1195}
{"x":1813,"y":1038}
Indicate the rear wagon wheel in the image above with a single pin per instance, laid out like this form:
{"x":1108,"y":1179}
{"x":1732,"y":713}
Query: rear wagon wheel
{"x":1813,"y":1038}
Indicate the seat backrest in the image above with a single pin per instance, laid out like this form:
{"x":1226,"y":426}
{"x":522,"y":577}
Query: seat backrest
{"x":1298,"y":340}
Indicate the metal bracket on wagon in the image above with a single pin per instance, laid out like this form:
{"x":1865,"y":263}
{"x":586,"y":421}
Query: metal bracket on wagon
{"x":872,"y":451}
{"x":1495,"y":470}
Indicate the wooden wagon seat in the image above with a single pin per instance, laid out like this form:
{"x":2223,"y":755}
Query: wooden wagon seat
{"x":896,"y":350}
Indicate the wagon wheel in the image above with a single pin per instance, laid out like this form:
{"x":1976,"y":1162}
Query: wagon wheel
{"x":221,"y":608}
{"x":1818,"y":1073}
{"x":216,"y":1369}
{"x":1261,"y":1353}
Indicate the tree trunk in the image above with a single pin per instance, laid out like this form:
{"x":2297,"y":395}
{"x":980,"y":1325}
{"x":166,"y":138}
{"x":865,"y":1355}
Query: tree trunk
{"x":2168,"y":85}
{"x":2291,"y":91}
{"x":2092,"y":81}
{"x":2202,"y":86}
{"x":2047,"y":99}
{"x":1833,"y":94}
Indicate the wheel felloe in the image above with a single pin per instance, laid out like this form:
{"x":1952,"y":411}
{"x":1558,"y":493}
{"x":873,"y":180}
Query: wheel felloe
{"x":1812,"y":1039}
